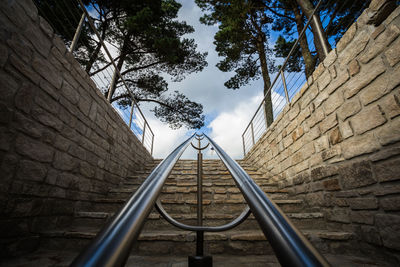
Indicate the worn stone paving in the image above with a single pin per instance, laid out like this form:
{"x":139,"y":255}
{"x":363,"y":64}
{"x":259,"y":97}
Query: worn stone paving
{"x":54,"y":259}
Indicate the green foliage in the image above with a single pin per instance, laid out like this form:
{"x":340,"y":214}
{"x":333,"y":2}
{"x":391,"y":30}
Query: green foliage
{"x":150,"y":42}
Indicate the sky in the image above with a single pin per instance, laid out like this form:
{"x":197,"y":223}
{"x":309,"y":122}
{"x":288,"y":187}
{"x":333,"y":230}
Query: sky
{"x":227,"y":112}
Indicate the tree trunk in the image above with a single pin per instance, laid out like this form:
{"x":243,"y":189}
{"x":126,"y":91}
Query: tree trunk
{"x":308,"y":9}
{"x":309,"y":60}
{"x":269,"y":116}
{"x":121,"y":60}
{"x":93,"y":56}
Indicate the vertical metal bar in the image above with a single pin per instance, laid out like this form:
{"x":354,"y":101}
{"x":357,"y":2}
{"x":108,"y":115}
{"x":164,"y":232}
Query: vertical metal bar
{"x":152,"y":142}
{"x":130,"y":119}
{"x":199,"y":234}
{"x":244,"y":146}
{"x":77,"y":33}
{"x":112,"y":85}
{"x":285,"y":86}
{"x":252,"y":133}
{"x":144,"y":132}
{"x":320,"y":36}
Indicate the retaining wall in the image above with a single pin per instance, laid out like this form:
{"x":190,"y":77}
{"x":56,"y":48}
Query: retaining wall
{"x":337,"y":144}
{"x":61,"y":142}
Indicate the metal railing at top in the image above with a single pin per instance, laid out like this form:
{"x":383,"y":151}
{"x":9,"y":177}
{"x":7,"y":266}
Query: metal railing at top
{"x":72,"y":21}
{"x":287,"y":83}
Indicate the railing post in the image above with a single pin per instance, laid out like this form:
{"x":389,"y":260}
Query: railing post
{"x":131,"y":117}
{"x":144,"y":132}
{"x":244,"y":146}
{"x":152,"y":142}
{"x":252,"y":133}
{"x":320,"y":34}
{"x":77,"y":34}
{"x":285,"y":86}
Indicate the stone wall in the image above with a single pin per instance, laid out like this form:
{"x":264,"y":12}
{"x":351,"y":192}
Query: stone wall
{"x":61,"y":143}
{"x":337,"y":145}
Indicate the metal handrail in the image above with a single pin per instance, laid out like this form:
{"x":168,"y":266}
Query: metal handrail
{"x":290,"y":246}
{"x":112,"y":245}
{"x":241,"y":218}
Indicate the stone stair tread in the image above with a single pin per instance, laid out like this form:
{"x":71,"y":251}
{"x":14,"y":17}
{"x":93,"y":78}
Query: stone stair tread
{"x":92,"y":214}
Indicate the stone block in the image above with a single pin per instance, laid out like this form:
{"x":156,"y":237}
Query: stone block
{"x":330,"y":58}
{"x":354,"y":48}
{"x":320,"y":98}
{"x":346,"y":38}
{"x":356,"y":175}
{"x":324,"y":80}
{"x":24,"y":68}
{"x":363,"y":203}
{"x":367,"y":119}
{"x":63,"y":161}
{"x":293,"y":112}
{"x":338,"y":215}
{"x":389,"y":229}
{"x":389,"y":133}
{"x":370,"y":234}
{"x":335,"y":136}
{"x":47,"y":119}
{"x":330,"y":153}
{"x":378,"y":88}
{"x":354,"y":67}
{"x":380,"y":43}
{"x":387,"y":170}
{"x":341,"y":77}
{"x":328,"y":123}
{"x":363,"y":217}
{"x":24,"y":98}
{"x":323,"y":172}
{"x":39,"y":40}
{"x":318,"y":71}
{"x":30,"y":9}
{"x":46,"y":28}
{"x":333,"y":102}
{"x":391,"y":106}
{"x":47,"y":71}
{"x":321,"y":143}
{"x":47,"y":102}
{"x":346,"y":130}
{"x":331,"y":184}
{"x":31,"y":170}
{"x":349,"y":108}
{"x":21,"y":47}
{"x":70,"y":93}
{"x":367,"y":74}
{"x":390,"y":203}
{"x":392,"y":54}
{"x":316,"y":116}
{"x":34,"y":149}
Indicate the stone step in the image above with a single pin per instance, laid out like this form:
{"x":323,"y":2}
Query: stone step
{"x":183,"y":242}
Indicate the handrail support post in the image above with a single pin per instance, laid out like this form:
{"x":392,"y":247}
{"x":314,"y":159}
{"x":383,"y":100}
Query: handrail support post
{"x":285,"y":87}
{"x":77,"y":33}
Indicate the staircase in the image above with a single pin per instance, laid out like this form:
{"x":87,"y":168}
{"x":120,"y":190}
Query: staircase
{"x":222,"y":203}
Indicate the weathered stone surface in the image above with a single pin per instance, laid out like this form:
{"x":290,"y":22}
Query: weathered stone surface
{"x":370,"y":235}
{"x":330,"y":153}
{"x":356,"y":175}
{"x":378,"y":88}
{"x":330,"y":58}
{"x":39,"y":40}
{"x":367,"y":74}
{"x":354,"y":67}
{"x":70,"y":93}
{"x":323,"y":172}
{"x":389,"y":230}
{"x":392,"y":54}
{"x":65,"y":162}
{"x":389,"y":133}
{"x":363,"y":217}
{"x":335,"y":136}
{"x":24,"y":68}
{"x":380,"y":43}
{"x":391,"y":106}
{"x":324,"y":80}
{"x":331,"y":184}
{"x":338,"y":215}
{"x":349,"y":108}
{"x":328,"y":123}
{"x":363,"y":203}
{"x":391,"y":203}
{"x":346,"y":38}
{"x":341,"y":78}
{"x":321,"y":143}
{"x":388,"y":170}
{"x":31,"y":170}
{"x":316,"y":116}
{"x":46,"y":71}
{"x":333,"y":102}
{"x":368,"y":119}
{"x":34,"y":149}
